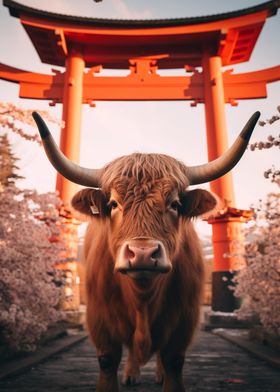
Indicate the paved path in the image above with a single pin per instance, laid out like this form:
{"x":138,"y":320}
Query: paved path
{"x":213,"y":364}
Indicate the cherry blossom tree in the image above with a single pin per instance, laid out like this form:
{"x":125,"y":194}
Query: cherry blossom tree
{"x":13,"y":117}
{"x":272,"y":141}
{"x":31,"y":288}
{"x":258,"y":284}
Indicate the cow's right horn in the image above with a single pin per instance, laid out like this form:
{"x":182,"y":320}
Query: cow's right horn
{"x":68,"y":169}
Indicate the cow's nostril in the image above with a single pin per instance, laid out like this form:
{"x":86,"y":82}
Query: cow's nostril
{"x":156,"y":254}
{"x":130,"y":254}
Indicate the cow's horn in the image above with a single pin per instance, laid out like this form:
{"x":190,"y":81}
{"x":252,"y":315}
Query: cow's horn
{"x":220,"y":166}
{"x":67,"y":168}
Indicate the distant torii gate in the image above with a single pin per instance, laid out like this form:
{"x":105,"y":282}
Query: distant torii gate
{"x":209,"y":42}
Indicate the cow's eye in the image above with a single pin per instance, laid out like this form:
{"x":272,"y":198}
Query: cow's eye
{"x":175,"y":205}
{"x":113,"y":204}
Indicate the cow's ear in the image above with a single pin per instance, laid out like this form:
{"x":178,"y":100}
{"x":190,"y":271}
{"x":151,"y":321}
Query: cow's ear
{"x":197,"y":202}
{"x":90,"y":202}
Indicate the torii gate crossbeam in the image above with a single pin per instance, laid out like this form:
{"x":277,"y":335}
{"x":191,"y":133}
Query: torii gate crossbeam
{"x":141,"y":86}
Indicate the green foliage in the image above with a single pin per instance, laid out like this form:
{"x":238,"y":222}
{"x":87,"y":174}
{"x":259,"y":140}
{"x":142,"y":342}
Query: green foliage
{"x":8,"y":167}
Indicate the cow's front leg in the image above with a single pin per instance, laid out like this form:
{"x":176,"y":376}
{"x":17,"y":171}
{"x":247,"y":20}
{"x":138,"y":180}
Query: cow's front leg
{"x":109,"y":361}
{"x":131,"y":372}
{"x":172,"y":363}
{"x":159,"y":370}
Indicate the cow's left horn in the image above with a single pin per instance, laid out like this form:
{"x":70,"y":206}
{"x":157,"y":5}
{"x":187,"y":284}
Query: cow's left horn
{"x":68,"y":169}
{"x":220,"y":166}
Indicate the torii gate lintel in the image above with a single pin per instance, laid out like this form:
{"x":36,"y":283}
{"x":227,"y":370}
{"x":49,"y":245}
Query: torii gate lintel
{"x":144,"y":86}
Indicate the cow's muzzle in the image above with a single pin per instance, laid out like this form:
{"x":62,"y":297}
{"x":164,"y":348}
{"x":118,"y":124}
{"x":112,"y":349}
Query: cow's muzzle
{"x":142,"y":256}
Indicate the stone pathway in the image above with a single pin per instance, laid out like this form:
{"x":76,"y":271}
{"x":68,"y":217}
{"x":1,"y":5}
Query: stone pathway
{"x":213,"y":364}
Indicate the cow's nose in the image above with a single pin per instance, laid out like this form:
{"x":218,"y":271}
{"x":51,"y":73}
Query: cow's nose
{"x":142,"y":255}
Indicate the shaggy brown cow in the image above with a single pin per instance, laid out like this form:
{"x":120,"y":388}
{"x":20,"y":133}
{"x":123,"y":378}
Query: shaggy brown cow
{"x":144,"y":266}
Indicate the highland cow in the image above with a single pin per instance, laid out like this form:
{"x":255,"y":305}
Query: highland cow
{"x":144,"y":267}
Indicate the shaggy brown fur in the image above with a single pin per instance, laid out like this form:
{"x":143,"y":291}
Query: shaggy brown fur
{"x":158,"y":315}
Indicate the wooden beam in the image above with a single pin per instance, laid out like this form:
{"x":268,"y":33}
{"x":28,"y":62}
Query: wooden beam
{"x":141,"y":86}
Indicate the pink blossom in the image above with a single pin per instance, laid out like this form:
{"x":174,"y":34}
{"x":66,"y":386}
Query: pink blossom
{"x":30,"y":285}
{"x":13,"y":117}
{"x":258,"y":283}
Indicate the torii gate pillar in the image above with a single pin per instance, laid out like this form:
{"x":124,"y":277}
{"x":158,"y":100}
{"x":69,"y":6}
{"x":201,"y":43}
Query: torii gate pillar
{"x":226,"y":230}
{"x":216,"y":128}
{"x":70,"y":145}
{"x":71,"y":116}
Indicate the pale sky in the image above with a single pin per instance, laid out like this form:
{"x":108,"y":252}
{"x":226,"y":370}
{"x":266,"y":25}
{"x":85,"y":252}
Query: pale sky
{"x":113,"y":129}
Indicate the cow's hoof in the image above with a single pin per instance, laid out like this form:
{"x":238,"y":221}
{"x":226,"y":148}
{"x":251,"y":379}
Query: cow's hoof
{"x":130,"y":380}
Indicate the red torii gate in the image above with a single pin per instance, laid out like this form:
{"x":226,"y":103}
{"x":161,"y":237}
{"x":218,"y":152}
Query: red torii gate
{"x":209,"y":42}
